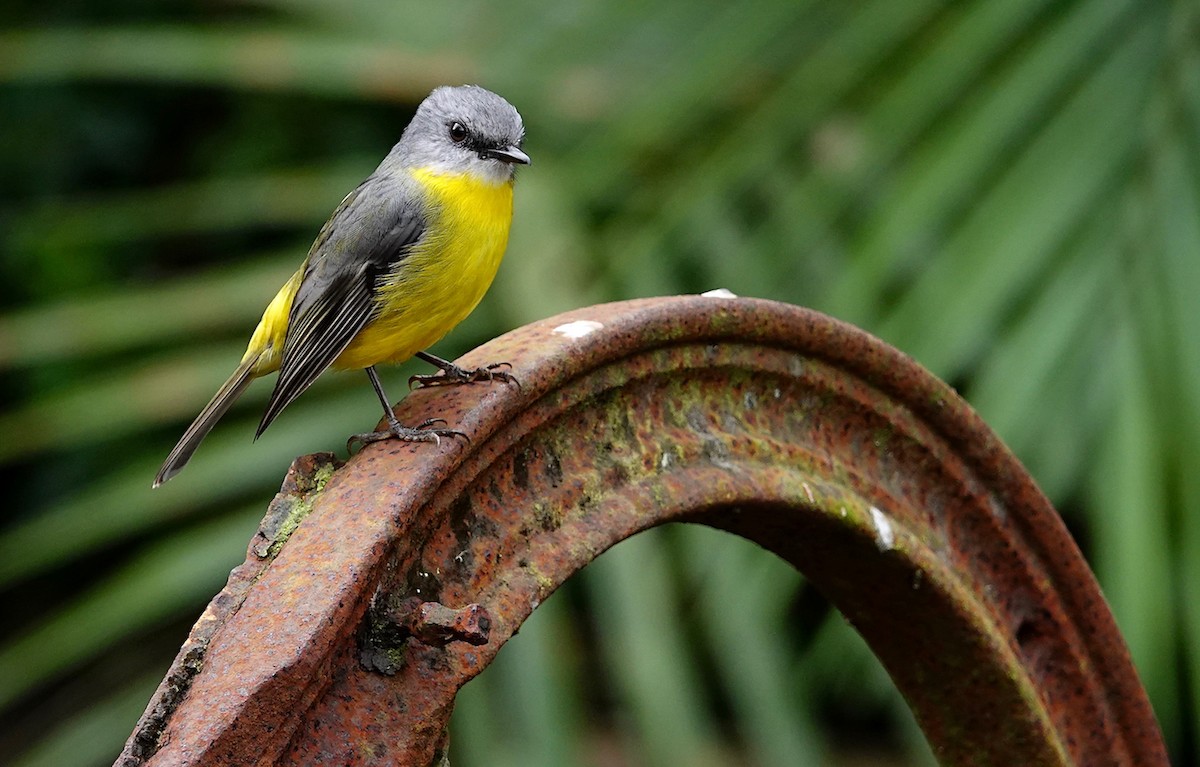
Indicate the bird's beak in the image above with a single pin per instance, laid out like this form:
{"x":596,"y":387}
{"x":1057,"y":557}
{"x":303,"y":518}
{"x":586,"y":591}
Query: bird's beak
{"x":508,"y":154}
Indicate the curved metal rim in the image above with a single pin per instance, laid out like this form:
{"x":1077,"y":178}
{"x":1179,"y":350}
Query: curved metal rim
{"x":284,"y":667}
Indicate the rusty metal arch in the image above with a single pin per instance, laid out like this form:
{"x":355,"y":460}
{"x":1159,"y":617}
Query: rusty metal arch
{"x":413,"y":564}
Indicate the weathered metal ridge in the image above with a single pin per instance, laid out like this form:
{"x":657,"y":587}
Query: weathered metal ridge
{"x":413,"y":564}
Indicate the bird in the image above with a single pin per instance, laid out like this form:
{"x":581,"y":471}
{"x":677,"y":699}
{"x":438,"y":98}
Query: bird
{"x":405,"y":257}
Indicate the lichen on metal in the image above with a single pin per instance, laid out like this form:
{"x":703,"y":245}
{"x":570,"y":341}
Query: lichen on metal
{"x":416,"y":563}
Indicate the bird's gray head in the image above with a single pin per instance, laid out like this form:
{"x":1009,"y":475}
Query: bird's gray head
{"x":466,"y":129}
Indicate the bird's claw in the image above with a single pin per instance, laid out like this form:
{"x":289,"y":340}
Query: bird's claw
{"x":454,"y":375}
{"x":419,"y":433}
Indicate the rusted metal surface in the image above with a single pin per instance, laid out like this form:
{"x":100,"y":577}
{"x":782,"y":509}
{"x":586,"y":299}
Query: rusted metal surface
{"x":417,"y":562}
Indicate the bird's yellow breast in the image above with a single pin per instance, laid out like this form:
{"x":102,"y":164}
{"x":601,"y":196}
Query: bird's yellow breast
{"x":445,"y":275}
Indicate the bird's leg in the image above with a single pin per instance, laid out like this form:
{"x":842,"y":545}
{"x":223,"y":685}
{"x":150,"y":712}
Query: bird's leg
{"x":395,"y":430}
{"x":452,"y":374}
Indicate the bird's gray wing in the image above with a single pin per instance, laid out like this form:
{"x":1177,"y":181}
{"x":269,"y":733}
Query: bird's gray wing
{"x":372,"y":230}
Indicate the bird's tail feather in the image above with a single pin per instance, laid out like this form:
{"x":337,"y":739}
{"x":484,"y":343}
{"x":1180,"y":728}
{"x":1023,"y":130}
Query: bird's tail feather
{"x":212,"y":412}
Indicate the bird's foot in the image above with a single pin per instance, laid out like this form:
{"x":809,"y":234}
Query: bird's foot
{"x":453,"y":375}
{"x":395,"y":430}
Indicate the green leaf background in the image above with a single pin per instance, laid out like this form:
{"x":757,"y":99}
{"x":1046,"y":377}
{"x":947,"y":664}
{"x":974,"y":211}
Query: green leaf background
{"x":1008,"y":191}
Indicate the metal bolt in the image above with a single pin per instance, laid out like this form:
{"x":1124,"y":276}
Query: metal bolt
{"x":437,"y":625}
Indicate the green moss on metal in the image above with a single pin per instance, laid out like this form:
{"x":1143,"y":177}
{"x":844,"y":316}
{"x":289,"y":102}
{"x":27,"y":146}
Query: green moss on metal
{"x":382,"y":641}
{"x":545,"y":583}
{"x":722,"y":322}
{"x":549,"y":517}
{"x":301,"y":507}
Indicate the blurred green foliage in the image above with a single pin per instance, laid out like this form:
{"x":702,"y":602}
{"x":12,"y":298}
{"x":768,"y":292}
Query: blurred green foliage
{"x":1009,"y":191}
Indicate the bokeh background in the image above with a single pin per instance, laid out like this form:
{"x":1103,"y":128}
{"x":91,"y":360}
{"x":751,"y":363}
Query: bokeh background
{"x":1008,"y":191}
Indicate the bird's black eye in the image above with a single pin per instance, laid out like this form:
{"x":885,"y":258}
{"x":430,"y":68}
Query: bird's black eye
{"x":458,"y":132}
